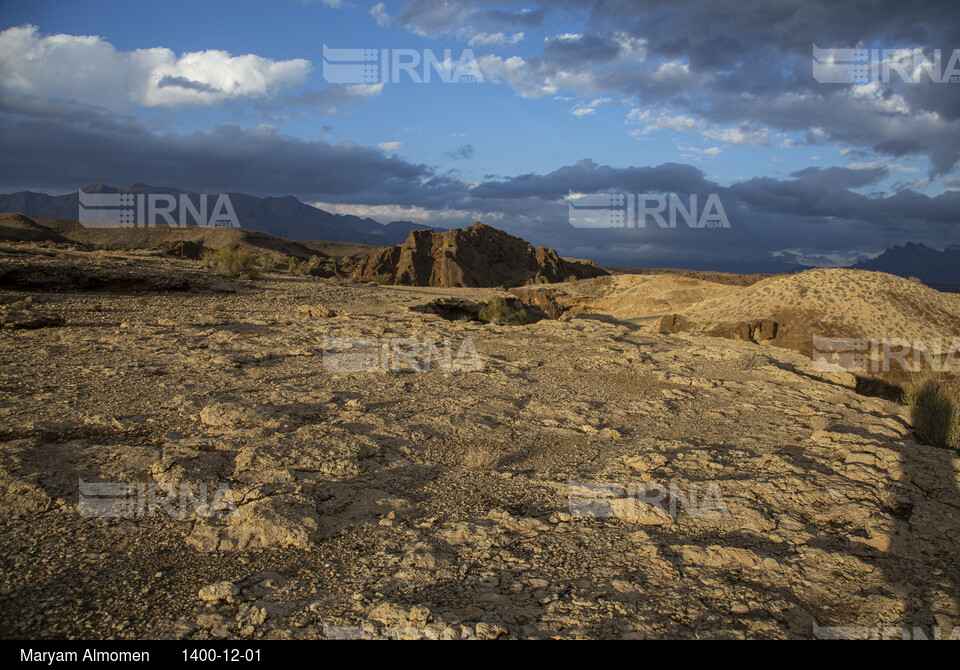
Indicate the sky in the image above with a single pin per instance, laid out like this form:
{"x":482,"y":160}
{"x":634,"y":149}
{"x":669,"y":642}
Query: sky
{"x":778,"y":132}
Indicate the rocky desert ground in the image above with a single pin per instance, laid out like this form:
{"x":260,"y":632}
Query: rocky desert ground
{"x":305,"y":457}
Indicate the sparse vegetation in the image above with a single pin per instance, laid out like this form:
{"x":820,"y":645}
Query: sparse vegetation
{"x":821,"y":423}
{"x":383,"y":278}
{"x":294,"y":265}
{"x":233,"y":263}
{"x":498,"y":311}
{"x":315,"y":263}
{"x":106,"y":247}
{"x":934,"y":402}
{"x":480,"y":457}
{"x":751,"y":361}
{"x":341,"y":268}
{"x":301,"y":266}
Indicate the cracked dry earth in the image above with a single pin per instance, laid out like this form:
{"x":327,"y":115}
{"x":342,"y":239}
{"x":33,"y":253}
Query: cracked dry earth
{"x":394,"y":503}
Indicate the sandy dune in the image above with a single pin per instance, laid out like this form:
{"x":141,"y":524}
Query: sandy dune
{"x":855,"y":302}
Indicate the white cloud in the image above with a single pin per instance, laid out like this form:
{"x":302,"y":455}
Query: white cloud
{"x":711,"y":151}
{"x":379,"y":14}
{"x":817,"y":136}
{"x":515,"y":72}
{"x":662,"y":121}
{"x":738,"y":136}
{"x":390,"y":146}
{"x":446,"y":217}
{"x":364,"y":91}
{"x":590,"y":108}
{"x":671,"y":70}
{"x":564,"y":37}
{"x":493,"y":39}
{"x":518,"y":74}
{"x":89,"y":69}
{"x":889,"y":165}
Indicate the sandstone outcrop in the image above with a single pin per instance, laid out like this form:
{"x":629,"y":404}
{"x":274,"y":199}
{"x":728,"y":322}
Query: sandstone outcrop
{"x":471,"y":257}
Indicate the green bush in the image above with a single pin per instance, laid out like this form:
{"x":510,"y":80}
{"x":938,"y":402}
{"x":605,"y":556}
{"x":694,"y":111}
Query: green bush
{"x":384,"y":278}
{"x":337,"y":266}
{"x":934,"y":405}
{"x":295,"y":265}
{"x":499,"y":312}
{"x":233,"y":263}
{"x":315,"y":263}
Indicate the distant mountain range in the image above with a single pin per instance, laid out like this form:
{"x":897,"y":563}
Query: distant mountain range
{"x":938,"y":269}
{"x":284,"y":217}
{"x":291,"y":219}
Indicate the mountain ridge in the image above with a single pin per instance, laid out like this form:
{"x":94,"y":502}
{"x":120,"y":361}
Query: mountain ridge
{"x":279,"y":216}
{"x":914,"y":259}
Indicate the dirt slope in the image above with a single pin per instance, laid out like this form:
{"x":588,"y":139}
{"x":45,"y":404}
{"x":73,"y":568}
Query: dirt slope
{"x":193,"y":238}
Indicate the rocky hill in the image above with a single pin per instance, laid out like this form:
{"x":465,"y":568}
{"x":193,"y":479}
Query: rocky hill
{"x":193,"y":239}
{"x":20,"y":228}
{"x":470,"y":257}
{"x":837,"y":302}
{"x":786,"y":311}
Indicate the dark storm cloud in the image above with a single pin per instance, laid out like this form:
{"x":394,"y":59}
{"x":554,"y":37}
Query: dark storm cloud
{"x":182,"y":82}
{"x":749,"y":62}
{"x":812,"y":217}
{"x":433,"y":17}
{"x":816,"y":214}
{"x":750,"y":55}
{"x":525,"y":19}
{"x":742,"y":66}
{"x":588,"y":177}
{"x":582,"y":51}
{"x":90,"y":145}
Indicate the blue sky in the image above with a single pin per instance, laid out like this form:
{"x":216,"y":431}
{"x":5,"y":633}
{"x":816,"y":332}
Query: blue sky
{"x":684,"y":97}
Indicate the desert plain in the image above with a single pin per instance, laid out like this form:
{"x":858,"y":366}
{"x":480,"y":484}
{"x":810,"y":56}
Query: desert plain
{"x":316,"y":457}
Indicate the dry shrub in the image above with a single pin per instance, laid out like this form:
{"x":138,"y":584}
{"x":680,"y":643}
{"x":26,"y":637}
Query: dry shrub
{"x":233,"y":263}
{"x":934,"y":402}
